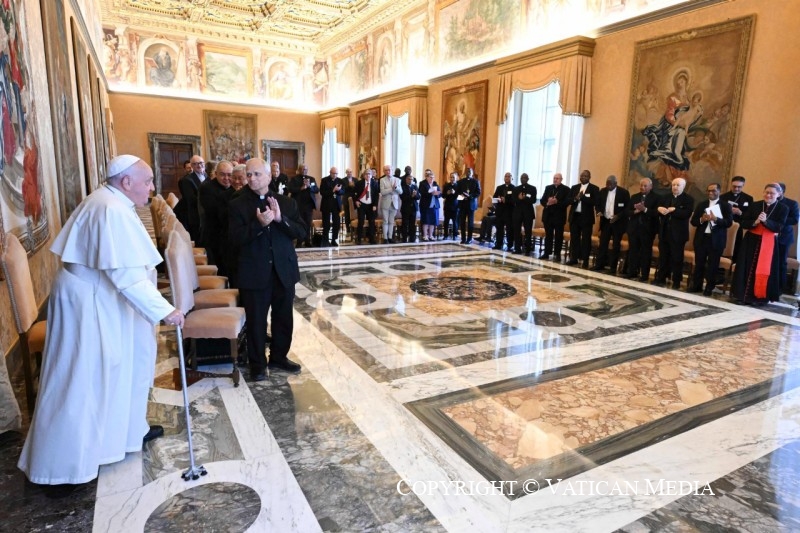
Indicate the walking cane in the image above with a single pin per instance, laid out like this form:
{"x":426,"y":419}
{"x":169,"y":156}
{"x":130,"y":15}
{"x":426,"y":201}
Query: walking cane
{"x":194,"y":471}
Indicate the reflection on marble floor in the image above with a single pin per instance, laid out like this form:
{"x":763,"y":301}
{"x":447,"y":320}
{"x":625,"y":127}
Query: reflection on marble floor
{"x":432,"y":367}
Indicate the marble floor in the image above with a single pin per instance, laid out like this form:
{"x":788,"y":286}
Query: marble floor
{"x":457,"y":388}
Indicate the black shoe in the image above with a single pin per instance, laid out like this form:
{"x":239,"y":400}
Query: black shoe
{"x":694,"y":289}
{"x":708,"y":292}
{"x":659,"y":282}
{"x":497,"y":248}
{"x":572,"y":262}
{"x":585,"y":264}
{"x":627,"y":276}
{"x":286,"y":365}
{"x":373,"y":242}
{"x":358,"y":241}
{"x":644,"y":279}
{"x":154,"y":433}
{"x":334,"y":243}
{"x":258,"y":376}
{"x":596,"y":268}
{"x":544,"y":256}
{"x":557,"y":258}
{"x":676,"y":284}
{"x":468,"y":241}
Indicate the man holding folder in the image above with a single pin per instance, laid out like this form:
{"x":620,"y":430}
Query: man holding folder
{"x":712,"y":219}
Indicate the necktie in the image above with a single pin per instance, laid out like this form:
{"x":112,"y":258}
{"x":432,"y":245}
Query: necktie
{"x":367,"y":190}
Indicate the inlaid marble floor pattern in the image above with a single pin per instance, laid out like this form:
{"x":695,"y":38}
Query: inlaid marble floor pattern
{"x":452,"y":388}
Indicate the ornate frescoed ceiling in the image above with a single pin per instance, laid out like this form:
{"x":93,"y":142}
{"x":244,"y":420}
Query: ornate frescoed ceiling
{"x":304,"y":26}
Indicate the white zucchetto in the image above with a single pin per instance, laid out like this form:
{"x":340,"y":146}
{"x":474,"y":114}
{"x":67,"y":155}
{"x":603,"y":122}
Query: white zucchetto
{"x":121,"y":163}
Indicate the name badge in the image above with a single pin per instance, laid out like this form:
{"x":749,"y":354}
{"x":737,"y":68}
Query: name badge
{"x":587,"y":195}
{"x":745,"y":204}
{"x":733,"y":203}
{"x":528,"y":195}
{"x":509,"y":192}
{"x":621,"y":204}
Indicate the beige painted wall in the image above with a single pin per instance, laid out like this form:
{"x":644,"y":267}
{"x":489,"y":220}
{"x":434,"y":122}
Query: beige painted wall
{"x":135,"y":116}
{"x":768,"y":132}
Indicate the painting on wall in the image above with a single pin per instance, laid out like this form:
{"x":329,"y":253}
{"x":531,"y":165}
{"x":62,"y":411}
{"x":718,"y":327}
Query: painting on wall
{"x":471,"y":28}
{"x":98,"y":120}
{"x":369,"y":138}
{"x":384,"y":60}
{"x":350,"y":68}
{"x":685,"y":106}
{"x":464,"y":128}
{"x":22,"y":203}
{"x":92,"y":175}
{"x":230,"y":136}
{"x":281,"y":80}
{"x":65,"y":138}
{"x":226,"y":71}
{"x":160,"y":65}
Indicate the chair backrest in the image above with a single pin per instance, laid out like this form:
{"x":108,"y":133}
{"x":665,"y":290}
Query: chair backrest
{"x":17,"y":272}
{"x":538,"y":223}
{"x":731,"y":242}
{"x":180,"y":272}
{"x":690,"y":242}
{"x":172,"y":200}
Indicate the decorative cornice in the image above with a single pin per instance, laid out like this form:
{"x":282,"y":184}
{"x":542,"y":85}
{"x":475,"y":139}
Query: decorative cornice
{"x":335,"y":113}
{"x":415,"y":91}
{"x":574,"y":46}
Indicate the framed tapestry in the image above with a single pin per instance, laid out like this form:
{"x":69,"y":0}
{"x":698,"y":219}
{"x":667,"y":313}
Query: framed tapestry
{"x":23,"y":205}
{"x":464,"y":129}
{"x":369,"y":137}
{"x":93,"y":177}
{"x":65,"y":138}
{"x":230,"y":136}
{"x":685,"y":105}
{"x":98,"y":120}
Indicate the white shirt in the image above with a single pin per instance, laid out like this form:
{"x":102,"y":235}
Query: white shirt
{"x":612,"y":196}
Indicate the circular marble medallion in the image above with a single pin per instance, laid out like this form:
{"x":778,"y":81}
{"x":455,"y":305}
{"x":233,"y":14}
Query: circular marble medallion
{"x":361,"y":299}
{"x":548,"y":319}
{"x":463,"y":289}
{"x":553,"y":278}
{"x":406,"y":267}
{"x":230,"y":507}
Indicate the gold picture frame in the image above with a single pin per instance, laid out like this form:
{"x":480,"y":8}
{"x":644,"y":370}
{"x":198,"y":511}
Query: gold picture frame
{"x":464,"y":128}
{"x":230,"y":136}
{"x":685,"y":105}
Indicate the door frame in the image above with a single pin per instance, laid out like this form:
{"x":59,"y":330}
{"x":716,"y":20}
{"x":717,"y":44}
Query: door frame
{"x":268,"y":145}
{"x":155,"y":152}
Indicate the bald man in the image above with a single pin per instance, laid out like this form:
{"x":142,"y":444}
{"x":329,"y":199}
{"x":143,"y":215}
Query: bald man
{"x":213,"y":198}
{"x":674,"y":212}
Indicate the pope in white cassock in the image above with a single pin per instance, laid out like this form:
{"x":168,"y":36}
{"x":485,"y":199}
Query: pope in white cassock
{"x":100,"y":350}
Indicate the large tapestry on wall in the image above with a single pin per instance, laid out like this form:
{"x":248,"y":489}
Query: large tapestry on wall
{"x":22,"y":204}
{"x":685,"y":106}
{"x":368,"y":131}
{"x":94,"y":175}
{"x":464,"y":128}
{"x":62,"y":108}
{"x":230,"y":136}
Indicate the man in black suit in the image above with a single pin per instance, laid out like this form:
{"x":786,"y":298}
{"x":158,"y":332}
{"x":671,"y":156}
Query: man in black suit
{"x":450,"y":206}
{"x":280,"y":181}
{"x":187,"y":210}
{"x":524,"y":213}
{"x":786,"y":237}
{"x":261,"y":227}
{"x":554,"y":216}
{"x":409,"y":200}
{"x":331,"y":189}
{"x":213,"y":196}
{"x":582,"y":198}
{"x":368,"y":190}
{"x":349,"y":183}
{"x":675,"y":210}
{"x":469,"y":190}
{"x":740,"y":202}
{"x":303,"y":189}
{"x":611,"y":204}
{"x":642,"y":213}
{"x":503,"y":199}
{"x":710,"y":238}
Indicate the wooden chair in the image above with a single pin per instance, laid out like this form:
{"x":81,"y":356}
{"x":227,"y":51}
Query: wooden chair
{"x":211,"y":323}
{"x":205,"y":298}
{"x":538,"y":232}
{"x":16,"y":270}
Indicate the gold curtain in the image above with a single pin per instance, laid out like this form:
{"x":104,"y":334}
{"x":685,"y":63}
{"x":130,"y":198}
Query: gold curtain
{"x":337,"y":118}
{"x":414,"y":101}
{"x":569,"y":62}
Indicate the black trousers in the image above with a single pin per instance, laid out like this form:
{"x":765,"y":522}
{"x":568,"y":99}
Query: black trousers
{"x":466,"y":219}
{"x":450,"y":215}
{"x":505,"y":229}
{"x":522,"y":219}
{"x":706,"y":262}
{"x":580,"y":235}
{"x":609,"y":231}
{"x":257,"y":303}
{"x":670,"y":258}
{"x":408,"y":230}
{"x":640,"y":253}
{"x":307,"y":215}
{"x":366,"y":211}
{"x":330,"y":221}
{"x":553,"y":237}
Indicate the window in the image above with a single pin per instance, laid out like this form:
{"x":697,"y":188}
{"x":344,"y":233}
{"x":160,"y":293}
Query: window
{"x":401,"y":148}
{"x":538,"y":139}
{"x":334,"y":154}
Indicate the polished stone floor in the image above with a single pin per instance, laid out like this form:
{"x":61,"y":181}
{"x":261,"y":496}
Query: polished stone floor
{"x":456,"y":388}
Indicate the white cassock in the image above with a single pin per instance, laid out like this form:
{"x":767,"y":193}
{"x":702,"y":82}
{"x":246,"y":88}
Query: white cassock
{"x":99,"y":355}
